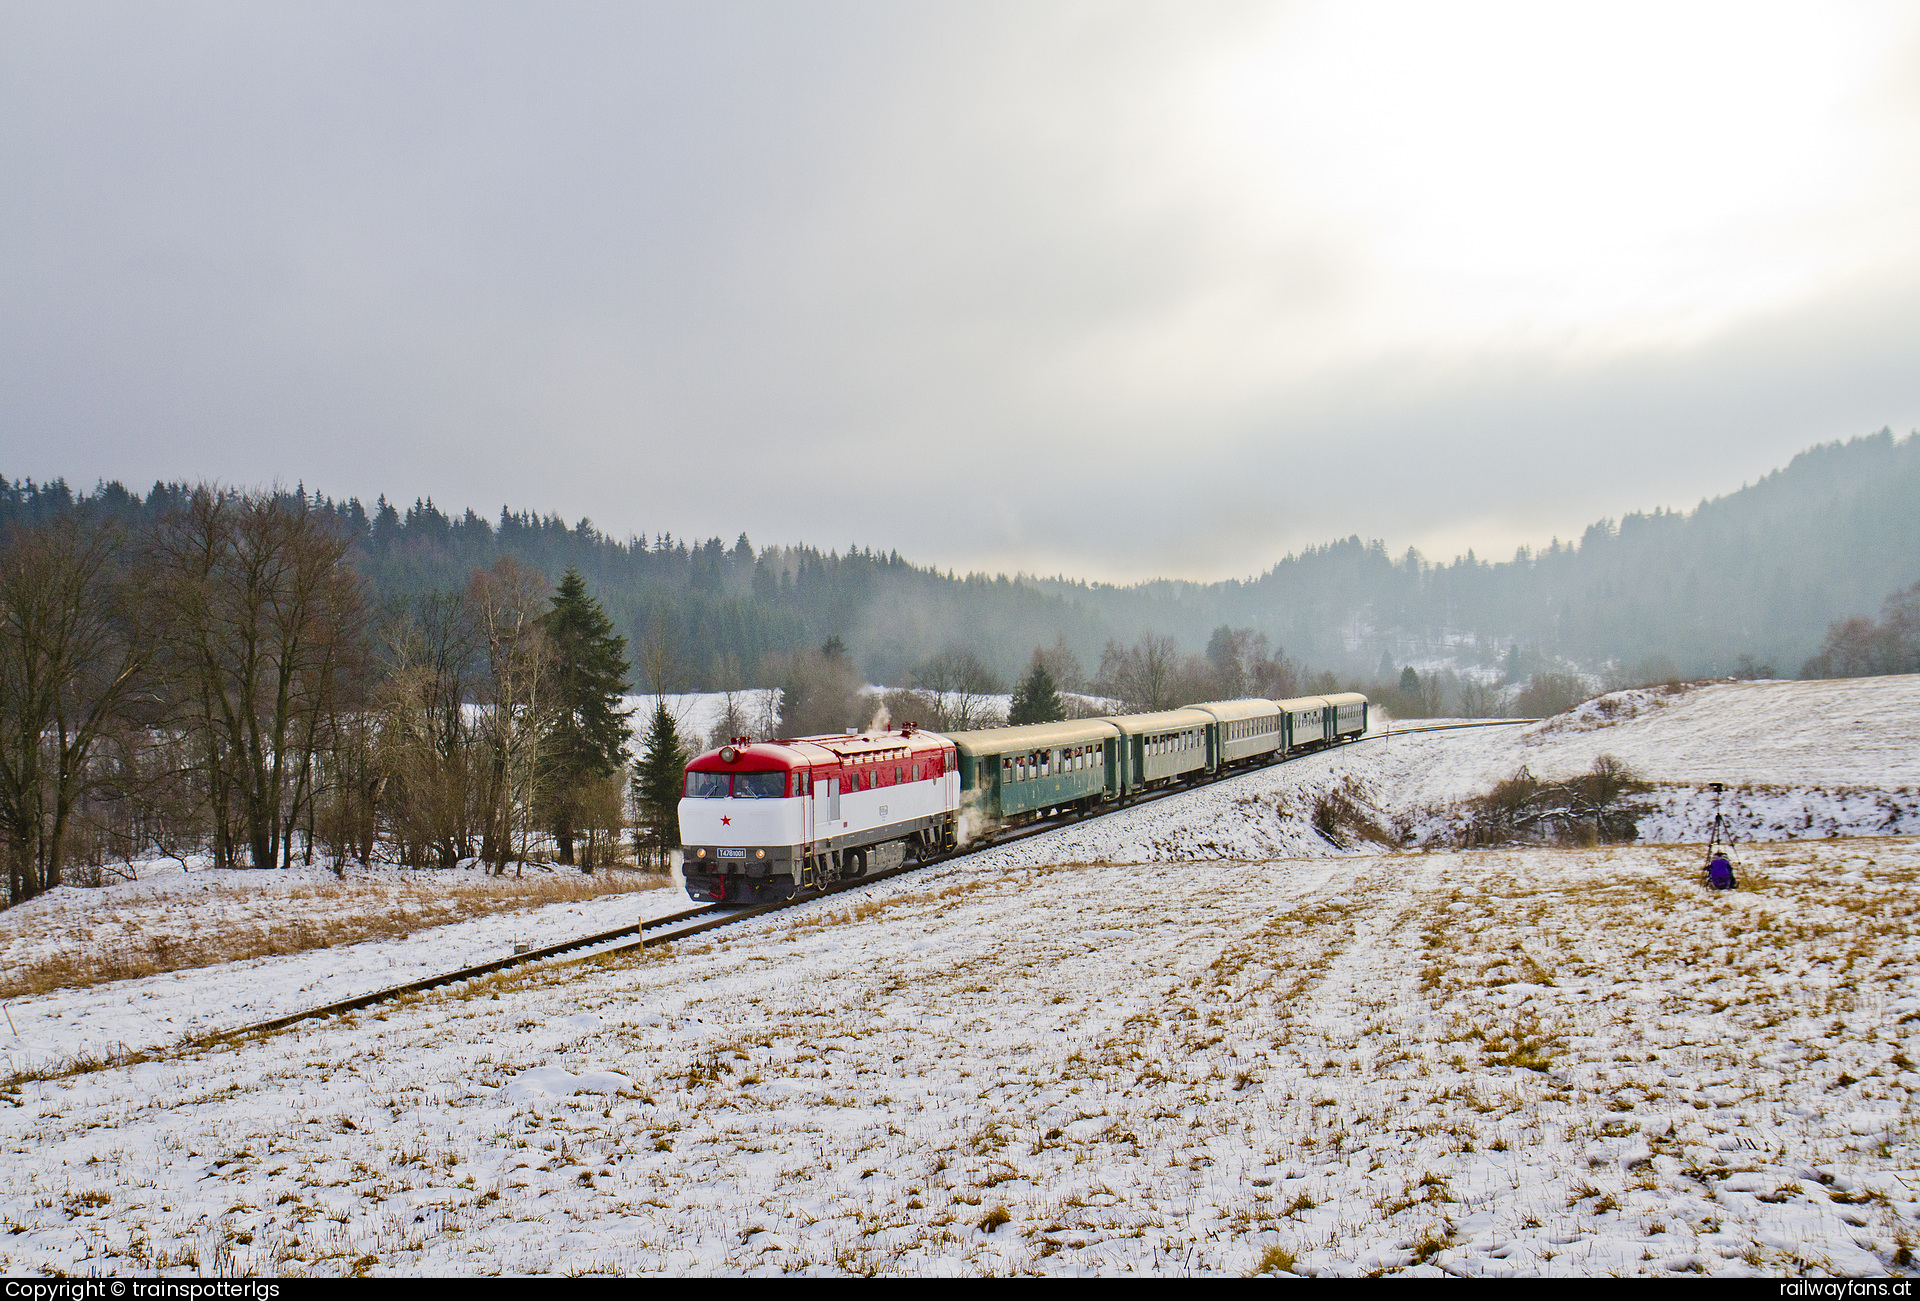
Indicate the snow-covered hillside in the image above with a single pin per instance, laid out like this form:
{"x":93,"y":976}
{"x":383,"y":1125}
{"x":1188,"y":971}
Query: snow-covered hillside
{"x":1194,"y":1037}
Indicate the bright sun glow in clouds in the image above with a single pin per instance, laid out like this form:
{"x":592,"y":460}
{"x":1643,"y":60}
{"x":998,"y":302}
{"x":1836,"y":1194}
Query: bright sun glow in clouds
{"x":1633,"y":176}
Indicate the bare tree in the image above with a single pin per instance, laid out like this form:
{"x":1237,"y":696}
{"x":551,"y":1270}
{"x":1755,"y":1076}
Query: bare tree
{"x":1143,"y":677}
{"x":507,"y":602}
{"x":427,"y":743}
{"x":260,"y":604}
{"x":1229,"y":652}
{"x":71,"y":652}
{"x":819,"y":690}
{"x":1068,"y":674}
{"x":603,"y":816}
{"x":1479,"y":698}
{"x":1271,"y":674}
{"x":959,"y":690}
{"x":736,"y":703}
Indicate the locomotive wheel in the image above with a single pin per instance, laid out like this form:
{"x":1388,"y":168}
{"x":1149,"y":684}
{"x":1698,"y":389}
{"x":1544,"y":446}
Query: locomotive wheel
{"x":859,"y":864}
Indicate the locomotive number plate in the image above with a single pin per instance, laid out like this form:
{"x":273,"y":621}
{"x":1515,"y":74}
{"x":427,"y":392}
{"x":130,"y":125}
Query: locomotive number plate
{"x":732,"y":853}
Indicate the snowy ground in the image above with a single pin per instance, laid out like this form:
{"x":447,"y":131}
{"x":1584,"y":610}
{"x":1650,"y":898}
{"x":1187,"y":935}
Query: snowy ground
{"x":168,"y":913}
{"x":1541,"y":1061}
{"x":1192,"y":1037}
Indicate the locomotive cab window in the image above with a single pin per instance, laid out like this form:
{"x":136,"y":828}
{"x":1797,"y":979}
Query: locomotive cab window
{"x":707,"y":785}
{"x":759,"y":785}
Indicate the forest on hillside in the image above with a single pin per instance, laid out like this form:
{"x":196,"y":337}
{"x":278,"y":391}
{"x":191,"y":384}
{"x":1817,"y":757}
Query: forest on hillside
{"x":255,"y":676}
{"x":1754,"y":578}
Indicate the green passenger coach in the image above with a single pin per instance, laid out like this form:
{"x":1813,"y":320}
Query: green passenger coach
{"x":1165,"y":746}
{"x":1245,"y":730}
{"x":1011,"y":771}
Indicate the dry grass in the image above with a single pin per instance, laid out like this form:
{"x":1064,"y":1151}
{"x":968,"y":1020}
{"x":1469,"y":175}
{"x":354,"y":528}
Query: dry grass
{"x":316,"y":917}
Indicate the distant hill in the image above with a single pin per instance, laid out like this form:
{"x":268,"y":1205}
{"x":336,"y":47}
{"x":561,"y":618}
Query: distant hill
{"x":1758,"y":573}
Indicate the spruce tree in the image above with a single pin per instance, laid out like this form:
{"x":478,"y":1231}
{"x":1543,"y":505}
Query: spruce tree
{"x":588,"y":736}
{"x":657,"y":777}
{"x":1036,"y":699}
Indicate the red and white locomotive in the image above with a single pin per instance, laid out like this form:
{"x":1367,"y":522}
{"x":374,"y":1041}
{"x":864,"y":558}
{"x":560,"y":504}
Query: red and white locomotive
{"x":761,"y":820}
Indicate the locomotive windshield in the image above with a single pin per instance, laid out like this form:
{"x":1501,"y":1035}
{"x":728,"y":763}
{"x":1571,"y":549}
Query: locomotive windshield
{"x":759,"y":785}
{"x":707,"y":785}
{"x":744,"y":785}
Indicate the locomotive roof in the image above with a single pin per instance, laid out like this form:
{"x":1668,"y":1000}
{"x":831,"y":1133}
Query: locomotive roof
{"x":759,"y":756}
{"x":1299,"y":703}
{"x":1347,"y":698}
{"x":807,"y":751}
{"x":868,"y":746}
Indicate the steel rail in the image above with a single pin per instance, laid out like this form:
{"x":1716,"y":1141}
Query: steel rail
{"x":714,"y":916}
{"x":359,"y":1001}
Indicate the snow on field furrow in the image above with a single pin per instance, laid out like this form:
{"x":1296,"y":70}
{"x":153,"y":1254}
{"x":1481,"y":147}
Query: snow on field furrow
{"x":1106,"y":1049}
{"x":1528,"y":1062}
{"x":156,"y":1011}
{"x":1856,"y":732}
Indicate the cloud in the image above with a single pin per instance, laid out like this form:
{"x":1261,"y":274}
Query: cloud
{"x":1113,"y":290}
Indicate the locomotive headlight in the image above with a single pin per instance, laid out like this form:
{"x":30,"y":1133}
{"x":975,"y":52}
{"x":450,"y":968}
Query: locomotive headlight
{"x":699,"y":853}
{"x":759,"y":853}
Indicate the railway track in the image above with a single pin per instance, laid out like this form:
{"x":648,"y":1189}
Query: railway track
{"x":706,"y":917}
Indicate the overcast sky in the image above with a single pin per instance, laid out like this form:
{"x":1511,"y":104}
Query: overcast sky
{"x":1120,"y":291}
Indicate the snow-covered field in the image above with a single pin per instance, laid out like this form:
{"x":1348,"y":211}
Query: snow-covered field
{"x":277,"y":919}
{"x":1192,"y":1037}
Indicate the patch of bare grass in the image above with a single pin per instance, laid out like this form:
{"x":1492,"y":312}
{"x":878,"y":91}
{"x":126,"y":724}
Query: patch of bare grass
{"x":318,"y":917}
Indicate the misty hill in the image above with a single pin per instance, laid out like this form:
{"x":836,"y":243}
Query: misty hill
{"x":1760,"y":572}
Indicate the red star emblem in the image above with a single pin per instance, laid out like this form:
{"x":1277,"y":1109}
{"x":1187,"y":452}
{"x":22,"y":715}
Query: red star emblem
{"x":726,"y":822}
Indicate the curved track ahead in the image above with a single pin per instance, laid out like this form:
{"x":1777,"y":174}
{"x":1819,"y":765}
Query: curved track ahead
{"x":706,"y":917}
